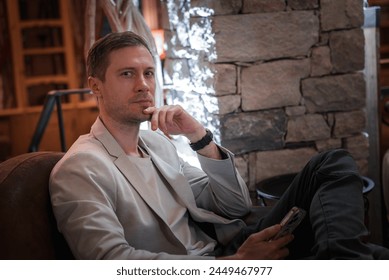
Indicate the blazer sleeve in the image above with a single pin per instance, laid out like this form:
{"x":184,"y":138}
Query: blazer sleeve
{"x":219,"y":187}
{"x":84,"y":204}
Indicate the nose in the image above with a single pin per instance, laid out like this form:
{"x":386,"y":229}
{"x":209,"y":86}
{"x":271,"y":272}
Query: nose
{"x":142,"y":84}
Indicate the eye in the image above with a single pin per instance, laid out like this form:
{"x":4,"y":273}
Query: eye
{"x":149,"y":73}
{"x":127,"y":74}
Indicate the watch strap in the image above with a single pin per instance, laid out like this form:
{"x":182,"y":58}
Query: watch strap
{"x":208,"y":138}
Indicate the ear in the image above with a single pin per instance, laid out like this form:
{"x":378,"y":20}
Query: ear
{"x":94,"y":85}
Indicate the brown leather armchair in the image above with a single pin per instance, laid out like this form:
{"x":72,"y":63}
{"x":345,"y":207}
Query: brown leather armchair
{"x":28,"y":229}
{"x":385,"y":184}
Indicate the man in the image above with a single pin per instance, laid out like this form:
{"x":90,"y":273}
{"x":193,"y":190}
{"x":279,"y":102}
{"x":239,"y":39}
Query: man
{"x":122,"y":193}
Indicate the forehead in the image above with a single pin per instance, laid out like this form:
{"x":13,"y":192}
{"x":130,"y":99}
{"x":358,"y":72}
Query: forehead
{"x":130,"y":57}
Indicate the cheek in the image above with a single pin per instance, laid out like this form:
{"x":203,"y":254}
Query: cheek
{"x":153,"y":86}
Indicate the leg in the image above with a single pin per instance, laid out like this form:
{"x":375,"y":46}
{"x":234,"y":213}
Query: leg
{"x":330,"y":190}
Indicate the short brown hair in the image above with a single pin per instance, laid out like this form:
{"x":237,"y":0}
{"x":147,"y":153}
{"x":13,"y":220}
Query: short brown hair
{"x":97,"y":60}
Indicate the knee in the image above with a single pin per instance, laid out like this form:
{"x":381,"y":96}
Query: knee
{"x":335,"y":153}
{"x":336,"y":161}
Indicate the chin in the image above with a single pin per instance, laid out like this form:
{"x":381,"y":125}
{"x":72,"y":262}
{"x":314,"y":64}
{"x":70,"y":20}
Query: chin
{"x":142,"y":119}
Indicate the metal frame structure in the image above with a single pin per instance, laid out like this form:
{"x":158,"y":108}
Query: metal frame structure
{"x":53,"y":98}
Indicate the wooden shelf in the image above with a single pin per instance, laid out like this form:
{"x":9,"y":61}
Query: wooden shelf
{"x":49,"y":60}
{"x":10,"y":112}
{"x":90,"y":104}
{"x":40,"y":23}
{"x":378,"y":2}
{"x":384,"y":61}
{"x":63,"y":79}
{"x":43,"y":59}
{"x":39,"y":51}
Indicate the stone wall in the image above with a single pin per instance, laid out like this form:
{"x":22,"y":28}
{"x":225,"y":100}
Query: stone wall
{"x":278,"y":81}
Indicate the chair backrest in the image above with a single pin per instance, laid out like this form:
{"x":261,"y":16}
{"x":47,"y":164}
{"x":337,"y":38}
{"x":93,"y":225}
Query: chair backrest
{"x":385,"y":182}
{"x":28,"y":228}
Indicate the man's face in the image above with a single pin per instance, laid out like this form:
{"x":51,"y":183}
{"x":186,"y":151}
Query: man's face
{"x":129,"y":86}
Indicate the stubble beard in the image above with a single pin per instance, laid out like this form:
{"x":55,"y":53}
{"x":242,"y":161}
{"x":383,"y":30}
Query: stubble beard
{"x":137,"y":119}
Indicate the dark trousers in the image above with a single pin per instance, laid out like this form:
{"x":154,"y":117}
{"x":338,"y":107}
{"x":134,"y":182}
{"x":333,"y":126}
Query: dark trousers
{"x":329,"y":188}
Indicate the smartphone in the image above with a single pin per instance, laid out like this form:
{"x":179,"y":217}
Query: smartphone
{"x":291,"y":220}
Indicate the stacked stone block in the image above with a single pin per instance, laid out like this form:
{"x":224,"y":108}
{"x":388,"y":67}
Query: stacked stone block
{"x":279,"y":81}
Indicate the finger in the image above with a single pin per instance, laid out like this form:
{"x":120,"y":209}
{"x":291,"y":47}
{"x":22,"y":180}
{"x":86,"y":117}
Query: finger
{"x":264,"y":235}
{"x":170,"y":117}
{"x":162,"y":120}
{"x":149,"y":110}
{"x":285,"y":240}
{"x":277,"y":248}
{"x":282,"y":253}
{"x":268,"y":233}
{"x":154,"y":119}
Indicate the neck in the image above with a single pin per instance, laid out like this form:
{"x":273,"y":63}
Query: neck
{"x":138,"y":153}
{"x":127,"y":136}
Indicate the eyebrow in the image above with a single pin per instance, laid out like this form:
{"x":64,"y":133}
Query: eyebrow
{"x":134,"y":68}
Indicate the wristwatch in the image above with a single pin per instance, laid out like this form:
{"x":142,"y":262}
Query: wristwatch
{"x":203,"y":141}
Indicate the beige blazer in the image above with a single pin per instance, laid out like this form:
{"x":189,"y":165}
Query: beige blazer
{"x":104,"y":208}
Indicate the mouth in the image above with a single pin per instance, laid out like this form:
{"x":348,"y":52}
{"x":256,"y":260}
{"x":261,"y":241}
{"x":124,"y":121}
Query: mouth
{"x":144,"y":102}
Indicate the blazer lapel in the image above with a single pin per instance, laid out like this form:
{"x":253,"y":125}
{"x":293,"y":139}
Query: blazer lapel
{"x":182,"y":188}
{"x":139,"y":184}
{"x":174,"y":178}
{"x":122,"y":162}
